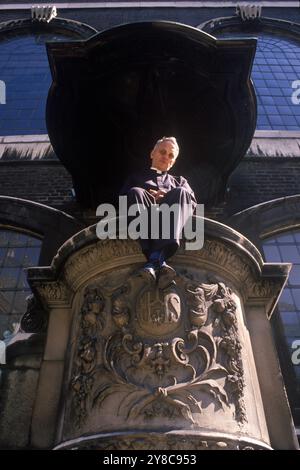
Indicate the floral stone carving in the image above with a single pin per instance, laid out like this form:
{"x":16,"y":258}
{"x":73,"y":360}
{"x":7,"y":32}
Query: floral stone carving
{"x":148,"y":353}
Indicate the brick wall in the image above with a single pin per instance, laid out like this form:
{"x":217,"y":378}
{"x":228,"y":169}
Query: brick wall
{"x":44,"y":182}
{"x":261,"y":179}
{"x":256,"y":180}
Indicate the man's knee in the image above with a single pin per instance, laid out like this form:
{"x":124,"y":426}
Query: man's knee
{"x":177,"y":193}
{"x":179,"y":190}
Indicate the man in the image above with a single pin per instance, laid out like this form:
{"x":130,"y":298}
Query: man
{"x":156,"y":186}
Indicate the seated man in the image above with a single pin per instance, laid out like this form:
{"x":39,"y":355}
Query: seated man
{"x":156,"y":186}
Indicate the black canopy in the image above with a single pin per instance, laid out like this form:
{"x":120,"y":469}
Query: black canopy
{"x":116,"y":93}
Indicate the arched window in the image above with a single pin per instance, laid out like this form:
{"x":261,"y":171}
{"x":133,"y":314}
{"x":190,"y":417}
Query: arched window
{"x":18,"y":250}
{"x":276,"y":67}
{"x":285,"y":247}
{"x":25,"y":72}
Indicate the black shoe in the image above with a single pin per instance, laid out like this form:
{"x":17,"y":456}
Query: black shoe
{"x":166,"y":275}
{"x":148,"y":272}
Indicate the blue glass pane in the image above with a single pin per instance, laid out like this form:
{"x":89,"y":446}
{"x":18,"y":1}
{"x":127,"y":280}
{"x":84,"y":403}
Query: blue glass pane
{"x":6,"y":301}
{"x":4,"y":237}
{"x":14,"y":257}
{"x":294,"y":277}
{"x":2,"y":255}
{"x":19,"y":305}
{"x":285,"y":238}
{"x":9,"y":278}
{"x":289,"y":253}
{"x":290,"y":318}
{"x":272,"y":254}
{"x":25,"y":70}
{"x":296,"y":297}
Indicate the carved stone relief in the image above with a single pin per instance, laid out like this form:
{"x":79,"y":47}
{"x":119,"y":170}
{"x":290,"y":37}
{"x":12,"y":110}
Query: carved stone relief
{"x":108,"y":251}
{"x":35,"y":318}
{"x":154,"y":353}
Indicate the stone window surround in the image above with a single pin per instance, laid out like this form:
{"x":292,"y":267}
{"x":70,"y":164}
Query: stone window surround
{"x":234,"y":24}
{"x":62,"y":25}
{"x":263,"y":221}
{"x":52,"y":225}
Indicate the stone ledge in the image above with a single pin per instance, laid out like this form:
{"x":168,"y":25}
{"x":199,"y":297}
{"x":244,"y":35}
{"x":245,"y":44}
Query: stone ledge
{"x":175,"y":440}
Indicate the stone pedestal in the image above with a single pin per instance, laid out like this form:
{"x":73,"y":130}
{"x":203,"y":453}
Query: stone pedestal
{"x":130,"y":366}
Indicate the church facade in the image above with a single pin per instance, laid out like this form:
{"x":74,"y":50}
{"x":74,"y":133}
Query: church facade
{"x":91,"y":356}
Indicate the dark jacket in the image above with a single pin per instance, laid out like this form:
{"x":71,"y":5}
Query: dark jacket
{"x":150,"y":179}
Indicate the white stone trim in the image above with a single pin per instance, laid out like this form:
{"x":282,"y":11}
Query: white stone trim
{"x":145,"y":4}
{"x":277,"y":134}
{"x":12,"y":139}
{"x":275,"y":144}
{"x":9,"y":139}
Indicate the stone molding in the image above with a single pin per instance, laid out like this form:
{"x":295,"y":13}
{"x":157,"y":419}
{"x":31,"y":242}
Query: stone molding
{"x":268,"y":218}
{"x":22,"y":25}
{"x":225,"y":250}
{"x":52,"y":225}
{"x":159,"y":441}
{"x":265,"y":24}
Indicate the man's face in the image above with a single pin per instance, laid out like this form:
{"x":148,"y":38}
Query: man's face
{"x":164,"y":155}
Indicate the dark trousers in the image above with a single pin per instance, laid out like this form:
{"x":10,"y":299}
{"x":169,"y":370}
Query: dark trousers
{"x":145,"y":200}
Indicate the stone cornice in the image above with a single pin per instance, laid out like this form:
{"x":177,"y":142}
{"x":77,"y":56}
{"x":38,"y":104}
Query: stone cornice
{"x":225,"y":252}
{"x":79,"y":30}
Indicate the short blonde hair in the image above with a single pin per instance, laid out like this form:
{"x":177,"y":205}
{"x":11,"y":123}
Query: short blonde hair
{"x":170,"y":139}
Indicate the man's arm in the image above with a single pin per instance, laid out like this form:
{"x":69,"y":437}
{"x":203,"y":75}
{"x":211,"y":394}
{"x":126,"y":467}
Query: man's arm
{"x":184,"y":184}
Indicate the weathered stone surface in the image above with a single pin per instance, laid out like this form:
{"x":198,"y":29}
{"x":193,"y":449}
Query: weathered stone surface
{"x":136,"y":359}
{"x":46,"y":404}
{"x":18,"y":390}
{"x":159,"y":441}
{"x":154,"y":357}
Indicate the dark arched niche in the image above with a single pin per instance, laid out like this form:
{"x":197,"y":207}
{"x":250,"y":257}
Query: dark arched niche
{"x":115,"y":94}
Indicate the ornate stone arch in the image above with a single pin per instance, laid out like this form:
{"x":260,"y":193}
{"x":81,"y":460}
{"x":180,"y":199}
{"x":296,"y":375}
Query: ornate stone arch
{"x":53,"y":225}
{"x":235,"y":24}
{"x":62,"y":25}
{"x":268,"y":218}
{"x":258,"y":223}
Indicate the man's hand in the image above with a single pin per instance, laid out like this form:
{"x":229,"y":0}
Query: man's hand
{"x":158,"y":195}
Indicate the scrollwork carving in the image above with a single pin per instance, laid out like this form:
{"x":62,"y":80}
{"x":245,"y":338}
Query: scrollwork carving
{"x":35,"y":318}
{"x":166,"y":352}
{"x":91,"y":323}
{"x":54,"y":291}
{"x":165,"y":442}
{"x":229,"y":342}
{"x":103,"y":251}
